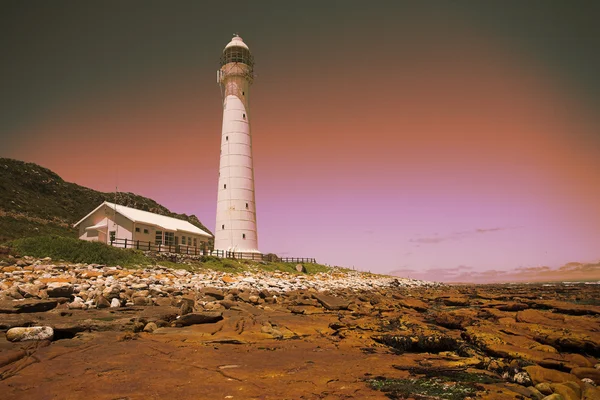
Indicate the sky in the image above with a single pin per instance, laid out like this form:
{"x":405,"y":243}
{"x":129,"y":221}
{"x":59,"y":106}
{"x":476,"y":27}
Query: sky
{"x":404,"y":136}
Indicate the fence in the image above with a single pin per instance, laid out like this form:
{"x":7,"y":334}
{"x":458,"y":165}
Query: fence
{"x":159,"y":248}
{"x":195,"y":251}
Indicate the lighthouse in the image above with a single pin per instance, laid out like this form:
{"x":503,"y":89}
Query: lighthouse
{"x":236,"y":206}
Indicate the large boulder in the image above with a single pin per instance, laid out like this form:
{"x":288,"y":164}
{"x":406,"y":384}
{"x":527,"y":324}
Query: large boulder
{"x":59,"y":289}
{"x":540,"y":374}
{"x":194,"y":318}
{"x":591,"y":373}
{"x":30,"y":333}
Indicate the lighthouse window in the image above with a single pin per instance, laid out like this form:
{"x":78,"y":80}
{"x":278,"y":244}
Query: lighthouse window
{"x":222,"y":226}
{"x":246,"y":205}
{"x":226,"y":137}
{"x":243,"y":236}
{"x":169,"y":238}
{"x":243,"y":94}
{"x":244,"y":116}
{"x":225,"y":186}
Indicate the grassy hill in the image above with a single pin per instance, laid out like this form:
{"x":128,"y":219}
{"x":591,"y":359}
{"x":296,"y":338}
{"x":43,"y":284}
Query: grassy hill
{"x":35,"y":201}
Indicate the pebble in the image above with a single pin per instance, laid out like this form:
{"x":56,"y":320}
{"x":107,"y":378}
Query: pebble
{"x":93,"y":285}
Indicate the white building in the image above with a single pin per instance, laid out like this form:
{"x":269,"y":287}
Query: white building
{"x":236,"y":207}
{"x":126,"y":226}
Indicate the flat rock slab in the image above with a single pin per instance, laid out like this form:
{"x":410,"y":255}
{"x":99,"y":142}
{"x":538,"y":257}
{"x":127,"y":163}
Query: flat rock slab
{"x":206,"y":317}
{"x":331,"y":302}
{"x":413,"y":303}
{"x":26,"y":306}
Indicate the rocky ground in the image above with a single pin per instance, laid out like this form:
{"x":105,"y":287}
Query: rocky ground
{"x":112,"y":333}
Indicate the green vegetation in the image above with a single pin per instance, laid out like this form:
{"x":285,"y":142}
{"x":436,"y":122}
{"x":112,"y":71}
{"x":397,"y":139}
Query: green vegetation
{"x":441,"y":387}
{"x":21,"y":227}
{"x":242,"y":265}
{"x":78,"y":251}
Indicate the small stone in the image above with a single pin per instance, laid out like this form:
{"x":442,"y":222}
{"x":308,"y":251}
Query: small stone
{"x":187,"y":306}
{"x":138,"y":326}
{"x":535,"y":393}
{"x":31,"y":333}
{"x":139,"y":286}
{"x":216,"y":293}
{"x":102,"y":302}
{"x":300,"y":268}
{"x":150,"y":327}
{"x":544,"y":388}
{"x":522,"y":378}
{"x":254,"y":299}
{"x":77,"y":304}
{"x":554,"y":396}
{"x":140,"y":301}
{"x":163,"y":301}
{"x":115,"y":303}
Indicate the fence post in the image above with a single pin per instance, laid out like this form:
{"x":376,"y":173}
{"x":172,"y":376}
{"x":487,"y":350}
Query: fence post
{"x":148,"y":246}
{"x":125,"y":243}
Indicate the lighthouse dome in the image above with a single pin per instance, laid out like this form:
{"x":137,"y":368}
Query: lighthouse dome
{"x":236,"y":42}
{"x":237,"y":51}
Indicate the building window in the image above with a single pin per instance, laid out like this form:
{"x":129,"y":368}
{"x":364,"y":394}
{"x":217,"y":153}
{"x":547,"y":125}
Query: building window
{"x":222,"y":226}
{"x":158,"y":237}
{"x":243,"y":94}
{"x":146,"y":231}
{"x":183,"y":240}
{"x":243,"y":236}
{"x":169,"y":238}
{"x":189,"y":241}
{"x":137,"y":230}
{"x":195,"y":243}
{"x":112,"y":235}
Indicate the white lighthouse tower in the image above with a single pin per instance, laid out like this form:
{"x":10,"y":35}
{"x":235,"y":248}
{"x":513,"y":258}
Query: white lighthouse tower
{"x":236,"y":207}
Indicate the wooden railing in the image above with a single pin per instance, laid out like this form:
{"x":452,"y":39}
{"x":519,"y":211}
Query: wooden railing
{"x":196,"y":251}
{"x":159,"y":248}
